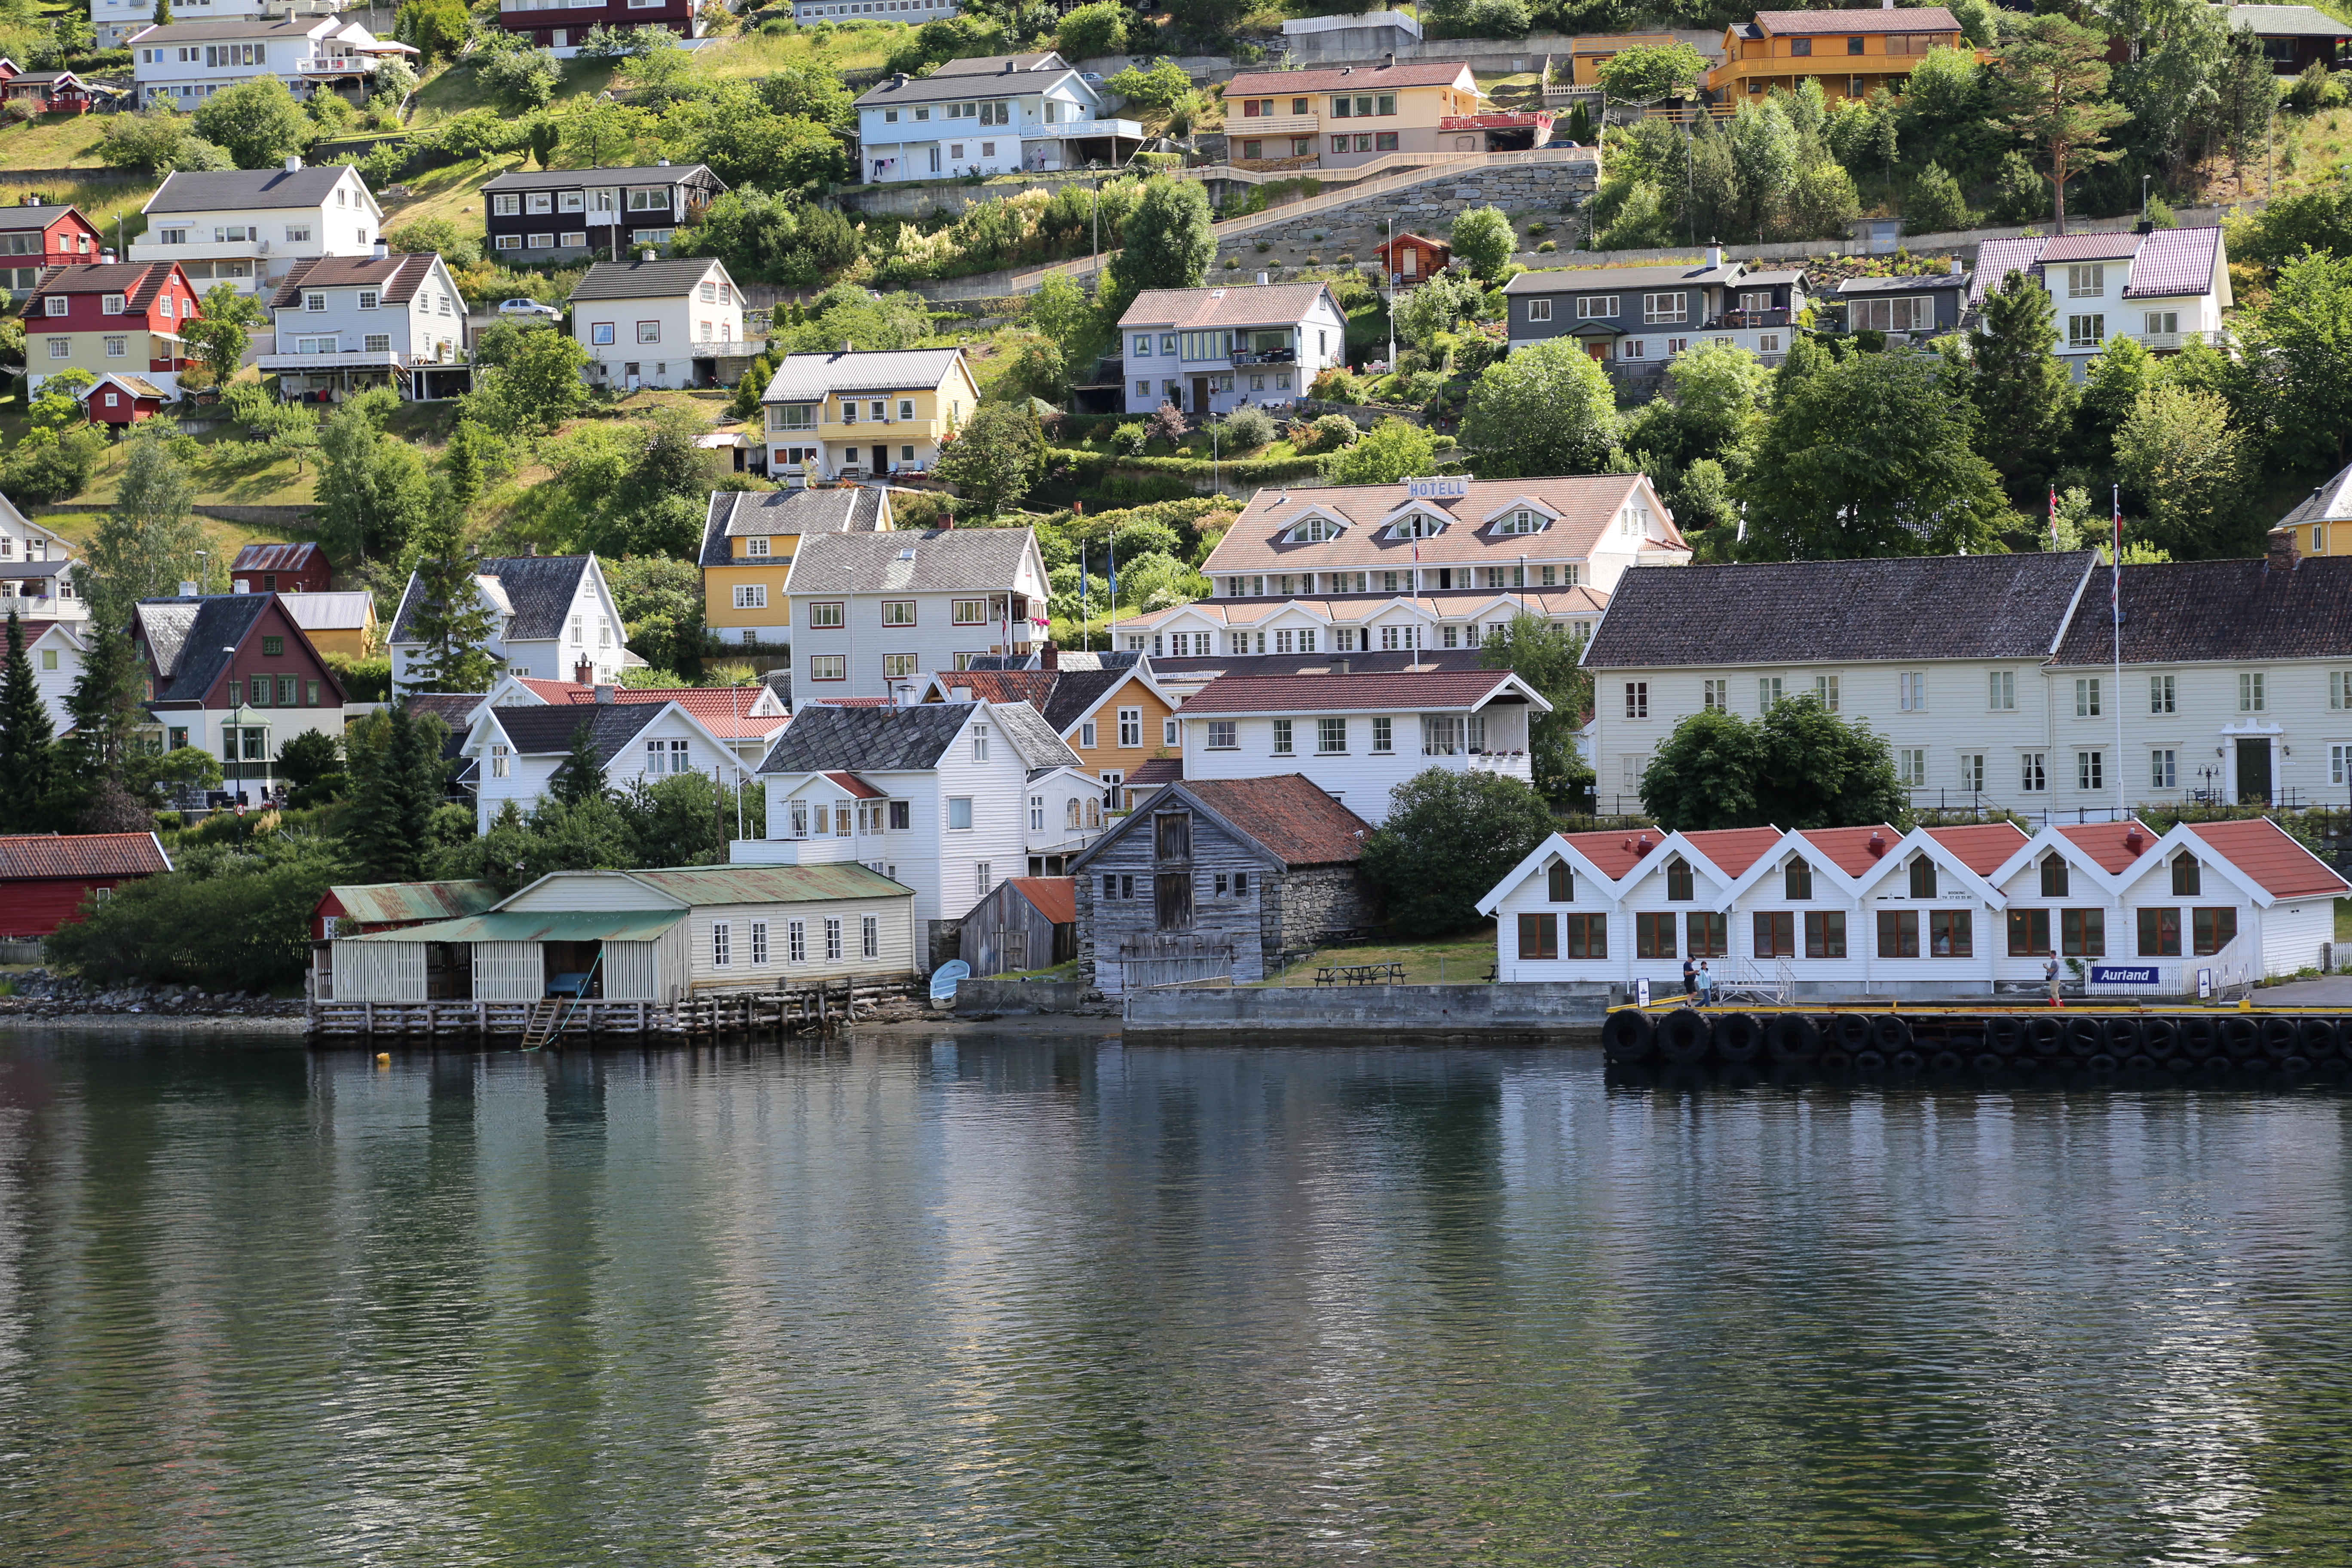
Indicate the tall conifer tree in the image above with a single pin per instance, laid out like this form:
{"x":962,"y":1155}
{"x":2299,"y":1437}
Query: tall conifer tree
{"x":25,"y":734}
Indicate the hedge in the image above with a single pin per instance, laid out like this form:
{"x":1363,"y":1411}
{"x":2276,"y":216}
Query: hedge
{"x":1095,"y":465}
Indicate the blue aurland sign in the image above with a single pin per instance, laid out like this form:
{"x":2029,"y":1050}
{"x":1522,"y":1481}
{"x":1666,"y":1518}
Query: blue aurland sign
{"x":2123,"y":974}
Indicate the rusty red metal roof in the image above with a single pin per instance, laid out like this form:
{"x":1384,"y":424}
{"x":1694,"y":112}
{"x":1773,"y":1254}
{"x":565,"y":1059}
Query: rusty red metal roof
{"x":299,"y":557}
{"x":857,"y":787}
{"x":1056,"y":898}
{"x":1290,"y":815}
{"x":26,"y":856}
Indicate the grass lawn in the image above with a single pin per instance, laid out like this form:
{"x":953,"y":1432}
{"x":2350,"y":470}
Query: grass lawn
{"x":2344,"y":919}
{"x":454,"y":192}
{"x":101,"y":201}
{"x":764,"y":54}
{"x":52,"y":142}
{"x":454,"y":89}
{"x":1457,"y":961}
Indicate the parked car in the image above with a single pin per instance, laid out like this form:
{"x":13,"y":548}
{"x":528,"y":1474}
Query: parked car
{"x":528,"y":308}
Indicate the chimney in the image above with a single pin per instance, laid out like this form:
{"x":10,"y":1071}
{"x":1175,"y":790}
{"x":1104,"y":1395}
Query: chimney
{"x":2134,"y":838}
{"x":1388,"y":60}
{"x":1343,"y":666}
{"x":1714,"y":256}
{"x":293,"y":162}
{"x":1008,"y":65}
{"x":187,"y":590}
{"x":844,"y":346}
{"x":661,"y":162}
{"x":530,"y":549}
{"x":1886,"y":4}
{"x":584,"y":674}
{"x":242,"y":585}
{"x":646,"y":254}
{"x":605,"y":694}
{"x":2283,"y":556}
{"x":106,"y":258}
{"x":1050,"y":656}
{"x":1957,"y":266}
{"x":898,"y":79}
{"x":1877,"y":845}
{"x":384,"y":250}
{"x":1263,"y":279}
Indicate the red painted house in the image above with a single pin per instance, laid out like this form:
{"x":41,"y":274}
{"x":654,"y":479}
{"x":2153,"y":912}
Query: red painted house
{"x":36,"y":234}
{"x":234,"y":675}
{"x":389,"y":906}
{"x":110,"y":317}
{"x":49,"y":92}
{"x":282,"y":569}
{"x":122,"y":399}
{"x":44,"y":877}
{"x":553,"y":25}
{"x":1416,"y":257}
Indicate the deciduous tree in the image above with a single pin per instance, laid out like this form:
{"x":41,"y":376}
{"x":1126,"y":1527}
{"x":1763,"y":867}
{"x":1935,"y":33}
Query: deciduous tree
{"x":1547,"y":409}
{"x":1448,"y":838}
{"x":1547,"y":657}
{"x":994,"y":460}
{"x":257,"y":122}
{"x":1481,"y":240}
{"x":1166,"y":242}
{"x":2179,"y":453}
{"x":1394,"y":449}
{"x":1798,"y":766}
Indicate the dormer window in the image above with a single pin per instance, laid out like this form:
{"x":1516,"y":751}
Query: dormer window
{"x":1420,"y":525}
{"x":113,"y":306}
{"x":1634,"y":521}
{"x":1315,"y":531}
{"x":1522,"y":519}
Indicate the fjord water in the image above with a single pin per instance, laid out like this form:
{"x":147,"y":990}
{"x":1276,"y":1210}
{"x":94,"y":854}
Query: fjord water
{"x":1062,"y":1300}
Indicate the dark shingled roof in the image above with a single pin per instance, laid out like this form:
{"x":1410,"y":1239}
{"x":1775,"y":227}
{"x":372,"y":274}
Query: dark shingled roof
{"x":2329,"y":502}
{"x":2183,"y":612}
{"x":221,"y":622}
{"x":656,"y":280}
{"x":538,"y":732}
{"x":1035,"y":738}
{"x":580,"y":179}
{"x":396,"y":279}
{"x":1839,"y":612}
{"x":737,"y":514}
{"x":210,"y":191}
{"x":539,"y":587}
{"x":1062,"y":696}
{"x":867,"y":740}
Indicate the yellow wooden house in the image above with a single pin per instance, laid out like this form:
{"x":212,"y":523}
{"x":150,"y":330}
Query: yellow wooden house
{"x":860,"y":416}
{"x":1850,"y":52}
{"x":748,"y":541}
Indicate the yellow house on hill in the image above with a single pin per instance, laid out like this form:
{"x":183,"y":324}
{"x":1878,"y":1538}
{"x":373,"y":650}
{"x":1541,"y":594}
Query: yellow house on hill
{"x":1850,"y":52}
{"x":864,"y":415}
{"x":748,"y":541}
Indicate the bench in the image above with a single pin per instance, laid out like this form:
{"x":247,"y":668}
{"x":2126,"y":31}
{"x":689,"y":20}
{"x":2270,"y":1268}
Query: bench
{"x":1389,"y":974}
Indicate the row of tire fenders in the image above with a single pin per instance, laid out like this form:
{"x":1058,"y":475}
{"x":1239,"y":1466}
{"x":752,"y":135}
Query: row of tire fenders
{"x":1880,"y":1040}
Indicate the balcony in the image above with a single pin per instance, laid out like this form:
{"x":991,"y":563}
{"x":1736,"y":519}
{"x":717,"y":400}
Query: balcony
{"x":1275,"y":125}
{"x":352,"y":359}
{"x":1266,"y":357}
{"x":1074,"y":131}
{"x":1731,"y":320}
{"x":2161,"y":340}
{"x":338,"y":65}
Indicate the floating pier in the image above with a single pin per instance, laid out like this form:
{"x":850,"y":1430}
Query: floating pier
{"x":554,"y":1020}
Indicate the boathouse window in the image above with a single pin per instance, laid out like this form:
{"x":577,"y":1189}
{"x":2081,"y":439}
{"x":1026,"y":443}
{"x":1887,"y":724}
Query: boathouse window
{"x":1923,"y":877}
{"x":1797,"y":882}
{"x":1678,"y":885}
{"x":832,"y":939}
{"x":796,"y":942}
{"x":1776,"y":933}
{"x":1172,"y":896}
{"x":1588,"y":935}
{"x":2054,"y":876}
{"x":1654,"y":935}
{"x":2188,"y":876}
{"x":1951,"y":933}
{"x":2029,"y":934}
{"x":2213,"y":930}
{"x":1560,"y":883}
{"x":758,"y":945}
{"x":1898,"y":934}
{"x":1540,"y":936}
{"x":1171,"y":834}
{"x":869,"y":931}
{"x":2082,"y":933}
{"x":722,"y":944}
{"x":2160,"y":933}
{"x":1824,"y":933}
{"x":1709,"y":934}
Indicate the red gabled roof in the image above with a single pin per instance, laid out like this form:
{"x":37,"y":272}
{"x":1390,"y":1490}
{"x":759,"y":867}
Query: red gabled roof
{"x":1982,"y":847}
{"x":725,"y":710}
{"x":1431,"y":689}
{"x":1056,"y":898}
{"x":1290,"y":815}
{"x":857,"y":787}
{"x":138,"y":282}
{"x":1615,"y":853}
{"x":2272,"y":859}
{"x":1153,"y":772}
{"x":27,"y":855}
{"x":1848,"y":849}
{"x":1732,"y":851}
{"x":2105,"y":843}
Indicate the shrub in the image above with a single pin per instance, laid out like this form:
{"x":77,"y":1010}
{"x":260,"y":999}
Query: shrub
{"x":1246,"y":429}
{"x":1547,"y":247}
{"x":1336,"y":384}
{"x":1333,"y":431}
{"x":1166,"y":424}
{"x":1129,"y":439}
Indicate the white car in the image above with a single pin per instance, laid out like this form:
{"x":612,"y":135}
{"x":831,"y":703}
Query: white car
{"x":528,"y":308}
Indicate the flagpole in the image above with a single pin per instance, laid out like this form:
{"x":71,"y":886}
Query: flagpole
{"x":1085,"y":617}
{"x":2115,"y":603}
{"x":1112,"y":546}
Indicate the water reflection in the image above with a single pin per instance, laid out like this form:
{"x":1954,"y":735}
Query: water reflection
{"x":1044,"y":1302}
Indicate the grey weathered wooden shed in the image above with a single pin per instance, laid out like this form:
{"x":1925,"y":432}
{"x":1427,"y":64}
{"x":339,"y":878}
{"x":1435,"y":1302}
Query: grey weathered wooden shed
{"x":1025,"y":922}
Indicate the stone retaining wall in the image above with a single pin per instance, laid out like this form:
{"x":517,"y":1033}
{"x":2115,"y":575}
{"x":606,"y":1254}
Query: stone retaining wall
{"x":1550,"y":191}
{"x":1533,"y":1005}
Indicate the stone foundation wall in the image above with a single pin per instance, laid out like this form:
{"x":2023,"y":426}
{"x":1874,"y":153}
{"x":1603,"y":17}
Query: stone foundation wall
{"x":1549,"y":191}
{"x":1301,"y":905}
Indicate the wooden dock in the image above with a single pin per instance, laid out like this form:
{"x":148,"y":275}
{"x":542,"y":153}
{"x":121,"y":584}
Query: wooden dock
{"x":791,"y":1009}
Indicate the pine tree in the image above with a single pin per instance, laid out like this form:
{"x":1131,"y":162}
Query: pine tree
{"x":2024,"y":398}
{"x":582,"y":777}
{"x":103,"y":705}
{"x":450,"y":619}
{"x":25,"y":737}
{"x":382,"y":833}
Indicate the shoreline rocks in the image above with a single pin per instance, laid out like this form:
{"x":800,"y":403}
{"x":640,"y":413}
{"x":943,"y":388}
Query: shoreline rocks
{"x":43,"y":995}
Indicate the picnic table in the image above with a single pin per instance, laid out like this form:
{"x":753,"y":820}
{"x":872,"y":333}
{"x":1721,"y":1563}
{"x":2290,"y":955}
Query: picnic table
{"x":1388,"y":973}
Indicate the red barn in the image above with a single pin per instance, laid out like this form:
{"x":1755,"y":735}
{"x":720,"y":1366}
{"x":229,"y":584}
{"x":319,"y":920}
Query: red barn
{"x":45,"y":877}
{"x":125,"y":400}
{"x":35,"y":234}
{"x":282,"y":569}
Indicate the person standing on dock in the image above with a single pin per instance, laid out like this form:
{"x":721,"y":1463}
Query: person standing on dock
{"x":2050,"y":974}
{"x":1690,"y":975}
{"x":1706,"y":987}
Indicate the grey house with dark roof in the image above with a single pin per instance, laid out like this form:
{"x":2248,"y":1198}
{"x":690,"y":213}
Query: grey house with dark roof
{"x":947,"y":799}
{"x":246,"y":226}
{"x":651,"y":322}
{"x":872,"y":614}
{"x":551,"y":618}
{"x":1994,"y":678}
{"x":535,"y":214}
{"x":749,"y":540}
{"x":235,"y":676}
{"x":518,"y":754}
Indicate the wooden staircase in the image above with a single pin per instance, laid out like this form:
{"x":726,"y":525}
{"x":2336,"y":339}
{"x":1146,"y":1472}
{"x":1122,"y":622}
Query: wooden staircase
{"x":545,"y":1023}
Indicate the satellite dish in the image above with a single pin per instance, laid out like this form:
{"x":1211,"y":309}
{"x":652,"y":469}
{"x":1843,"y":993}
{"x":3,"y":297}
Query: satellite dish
{"x":944,"y":978}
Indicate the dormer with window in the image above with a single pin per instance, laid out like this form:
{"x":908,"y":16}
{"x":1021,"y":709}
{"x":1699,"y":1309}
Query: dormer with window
{"x":1314,"y":529}
{"x":1633,"y":521}
{"x":1522,"y":519}
{"x":1417,"y":525}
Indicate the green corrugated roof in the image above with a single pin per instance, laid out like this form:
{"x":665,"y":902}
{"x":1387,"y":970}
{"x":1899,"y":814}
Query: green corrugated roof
{"x":523,"y":925}
{"x":772,"y":883}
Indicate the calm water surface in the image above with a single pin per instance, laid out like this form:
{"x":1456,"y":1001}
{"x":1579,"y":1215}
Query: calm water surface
{"x":1048,"y":1301}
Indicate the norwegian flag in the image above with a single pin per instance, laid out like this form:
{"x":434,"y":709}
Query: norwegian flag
{"x":2053,"y":517}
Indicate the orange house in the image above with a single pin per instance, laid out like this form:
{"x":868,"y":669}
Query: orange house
{"x":1849,"y":52}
